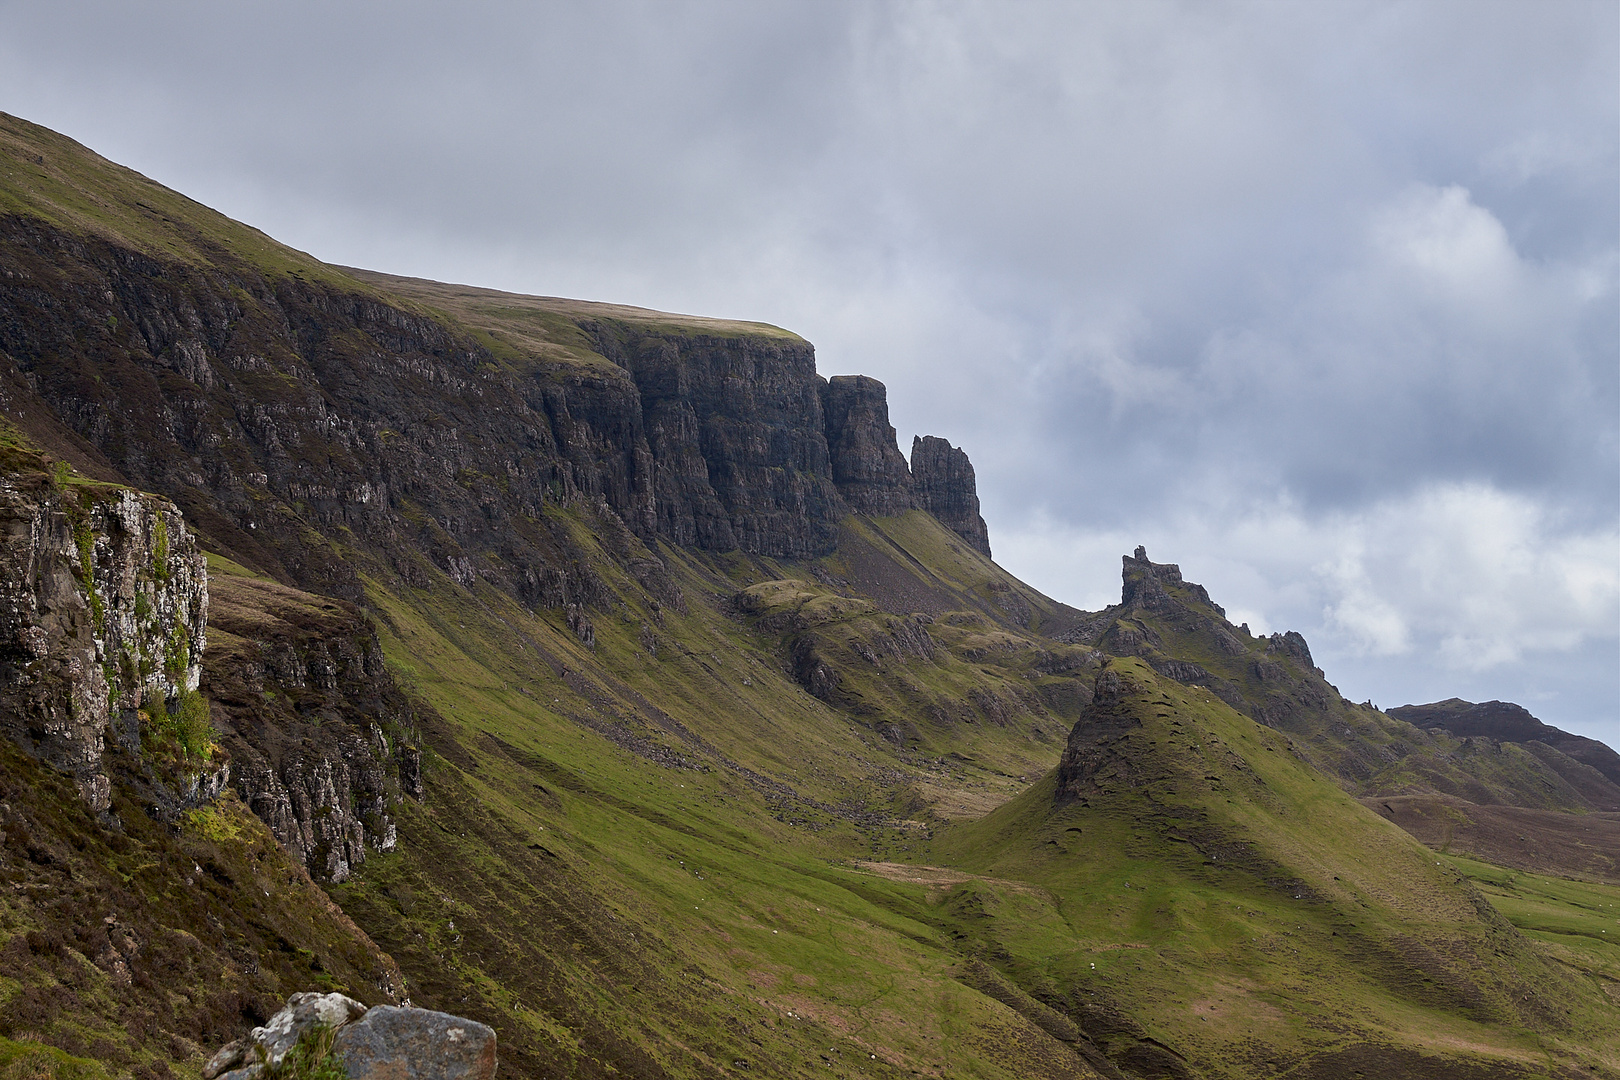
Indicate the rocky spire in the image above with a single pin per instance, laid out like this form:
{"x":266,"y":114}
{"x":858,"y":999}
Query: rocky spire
{"x":942,"y":480}
{"x":867,"y":466}
{"x":1144,"y":584}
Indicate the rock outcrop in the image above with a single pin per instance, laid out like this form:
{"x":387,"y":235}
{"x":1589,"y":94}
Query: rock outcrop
{"x":1144,"y":584}
{"x":316,"y":727}
{"x":867,"y":465}
{"x":383,"y":1042}
{"x":943,"y":483}
{"x":735,"y":438}
{"x":1093,"y":759}
{"x":103,"y":613}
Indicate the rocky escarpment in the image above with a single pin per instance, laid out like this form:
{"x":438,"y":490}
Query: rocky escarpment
{"x":103,"y":612}
{"x":319,"y":735}
{"x":1174,"y":626}
{"x":267,"y":406}
{"x":867,"y":465}
{"x":943,"y":483}
{"x":1506,"y":722}
{"x":1588,"y":766}
{"x":735,"y":438}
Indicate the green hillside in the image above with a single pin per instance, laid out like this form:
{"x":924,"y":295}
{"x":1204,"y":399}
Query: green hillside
{"x":545,"y":641}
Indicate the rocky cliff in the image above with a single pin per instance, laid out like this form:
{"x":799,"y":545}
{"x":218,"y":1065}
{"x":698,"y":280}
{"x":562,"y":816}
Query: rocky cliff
{"x":867,"y":465}
{"x":319,"y":734}
{"x":943,"y":482}
{"x":735,"y":438}
{"x":269,"y":405}
{"x":103,"y":613}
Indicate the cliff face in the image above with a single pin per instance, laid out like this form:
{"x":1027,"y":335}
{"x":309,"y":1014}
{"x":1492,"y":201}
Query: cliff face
{"x":867,"y":465}
{"x":270,"y":404}
{"x":317,"y":730}
{"x":735,"y":434}
{"x":103,"y":611}
{"x":943,"y":482}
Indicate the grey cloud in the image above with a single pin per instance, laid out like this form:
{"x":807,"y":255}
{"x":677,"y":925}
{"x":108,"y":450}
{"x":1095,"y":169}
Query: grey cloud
{"x":1143,"y":260}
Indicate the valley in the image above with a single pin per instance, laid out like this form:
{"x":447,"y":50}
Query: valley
{"x":612,"y":678}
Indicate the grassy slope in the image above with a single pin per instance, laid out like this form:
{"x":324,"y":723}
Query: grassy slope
{"x":144,"y":947}
{"x":49,"y":176}
{"x":749,"y":922}
{"x":549,"y":327}
{"x":698,"y":843}
{"x":1245,"y":910}
{"x":1576,"y":922}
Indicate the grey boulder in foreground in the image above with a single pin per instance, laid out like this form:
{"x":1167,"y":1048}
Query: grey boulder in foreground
{"x":381,"y":1043}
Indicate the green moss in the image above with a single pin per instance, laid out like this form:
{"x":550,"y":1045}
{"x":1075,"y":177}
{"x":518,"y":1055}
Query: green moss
{"x":176,"y":651}
{"x":189,"y":725}
{"x":85,"y":541}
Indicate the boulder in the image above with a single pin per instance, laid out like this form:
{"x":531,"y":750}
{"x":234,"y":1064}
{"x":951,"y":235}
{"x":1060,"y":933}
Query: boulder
{"x":267,"y":1045}
{"x":391,"y":1043}
{"x":381,"y":1043}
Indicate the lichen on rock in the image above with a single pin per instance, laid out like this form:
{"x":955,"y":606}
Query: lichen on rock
{"x":103,"y":617}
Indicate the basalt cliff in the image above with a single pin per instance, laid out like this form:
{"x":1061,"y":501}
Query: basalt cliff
{"x":611,"y":678}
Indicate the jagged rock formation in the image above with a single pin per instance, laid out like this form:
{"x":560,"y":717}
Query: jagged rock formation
{"x":942,"y":480}
{"x":1144,"y":585}
{"x":317,"y":730}
{"x":103,"y":610}
{"x":867,"y":465}
{"x":1166,"y":621}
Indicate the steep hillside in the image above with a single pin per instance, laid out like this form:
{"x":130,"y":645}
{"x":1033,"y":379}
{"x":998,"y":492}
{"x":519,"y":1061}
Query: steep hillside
{"x":630,"y":690}
{"x":1574,"y":757}
{"x":1174,"y":626}
{"x":1202,"y":902}
{"x":149,"y":913}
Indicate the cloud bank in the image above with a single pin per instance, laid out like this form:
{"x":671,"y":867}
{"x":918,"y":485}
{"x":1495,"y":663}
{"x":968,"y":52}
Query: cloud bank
{"x":1320,"y":300}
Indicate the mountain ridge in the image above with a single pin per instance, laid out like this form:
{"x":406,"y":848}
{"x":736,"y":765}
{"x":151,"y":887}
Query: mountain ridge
{"x":625,"y":685}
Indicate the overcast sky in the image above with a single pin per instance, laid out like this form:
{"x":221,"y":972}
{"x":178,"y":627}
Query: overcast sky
{"x":1317,"y":299}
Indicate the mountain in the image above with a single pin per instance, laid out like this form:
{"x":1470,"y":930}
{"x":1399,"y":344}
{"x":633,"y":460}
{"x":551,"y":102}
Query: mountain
{"x":1503,"y":721}
{"x":611,"y":677}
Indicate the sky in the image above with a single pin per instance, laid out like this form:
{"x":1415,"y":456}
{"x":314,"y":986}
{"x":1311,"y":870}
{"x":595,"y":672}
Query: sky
{"x":1319,"y":300}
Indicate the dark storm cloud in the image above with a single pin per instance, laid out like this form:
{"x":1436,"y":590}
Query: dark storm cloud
{"x":1318,"y":299}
